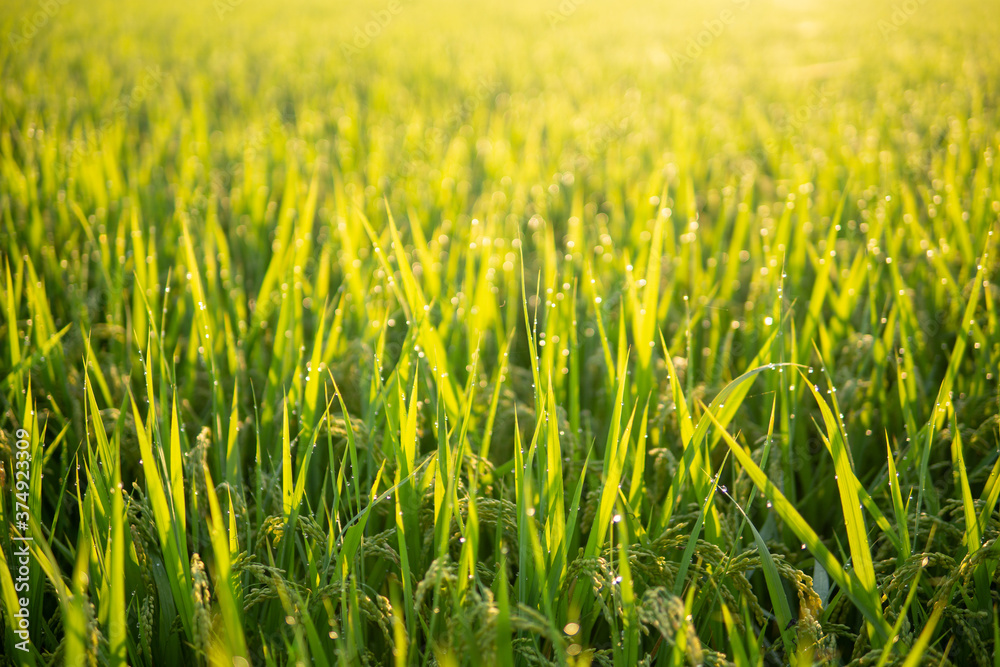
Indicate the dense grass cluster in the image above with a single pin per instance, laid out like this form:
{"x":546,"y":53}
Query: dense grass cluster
{"x":524,"y":333}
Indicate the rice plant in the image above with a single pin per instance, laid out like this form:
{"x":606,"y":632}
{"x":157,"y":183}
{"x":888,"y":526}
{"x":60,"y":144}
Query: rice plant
{"x":534,"y":333}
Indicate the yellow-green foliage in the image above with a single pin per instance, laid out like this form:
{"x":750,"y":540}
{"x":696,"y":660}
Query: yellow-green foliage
{"x":538,"y":332}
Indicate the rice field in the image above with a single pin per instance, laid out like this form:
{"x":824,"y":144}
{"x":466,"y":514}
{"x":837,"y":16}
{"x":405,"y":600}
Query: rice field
{"x":528,"y":333}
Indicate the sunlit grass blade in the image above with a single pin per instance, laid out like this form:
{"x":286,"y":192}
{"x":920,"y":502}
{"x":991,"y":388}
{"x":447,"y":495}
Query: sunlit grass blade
{"x":169,"y":527}
{"x":232,"y":616}
{"x":894,"y":634}
{"x":776,"y":591}
{"x":850,"y":502}
{"x":972,"y":537}
{"x":616,"y":450}
{"x":898,"y":507}
{"x":916,"y":655}
{"x":848,"y":582}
